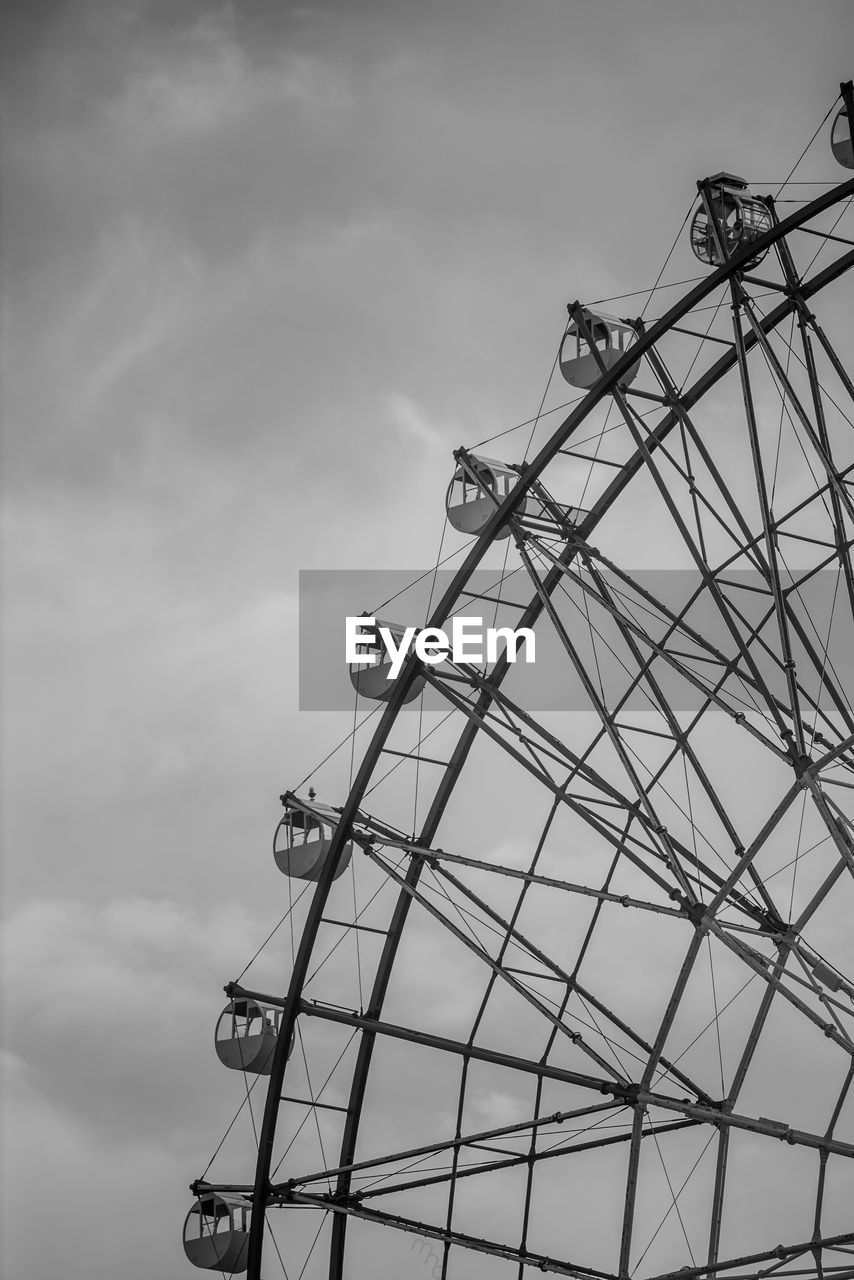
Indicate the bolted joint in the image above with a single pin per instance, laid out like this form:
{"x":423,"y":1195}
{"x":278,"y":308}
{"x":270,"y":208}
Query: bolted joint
{"x":695,"y":911}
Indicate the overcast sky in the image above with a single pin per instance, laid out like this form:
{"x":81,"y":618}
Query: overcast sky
{"x":265,"y":264}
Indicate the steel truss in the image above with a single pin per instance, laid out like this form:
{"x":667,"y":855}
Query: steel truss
{"x":771,"y":677}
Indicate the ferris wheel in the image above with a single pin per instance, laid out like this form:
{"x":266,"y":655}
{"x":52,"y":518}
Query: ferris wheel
{"x":570,"y":983}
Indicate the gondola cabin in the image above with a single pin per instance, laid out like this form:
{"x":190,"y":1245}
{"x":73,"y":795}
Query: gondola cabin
{"x":611,"y":338}
{"x":728,"y":220}
{"x":840,"y":140}
{"x":370,"y":677}
{"x":216,"y":1233}
{"x":303,"y":840}
{"x":246,"y":1036}
{"x":478,"y":486}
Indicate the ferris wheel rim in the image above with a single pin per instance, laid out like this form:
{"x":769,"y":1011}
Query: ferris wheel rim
{"x":454,"y":768}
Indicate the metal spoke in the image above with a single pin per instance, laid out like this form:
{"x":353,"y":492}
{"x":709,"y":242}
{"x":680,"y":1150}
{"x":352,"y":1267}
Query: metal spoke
{"x":647,"y":802}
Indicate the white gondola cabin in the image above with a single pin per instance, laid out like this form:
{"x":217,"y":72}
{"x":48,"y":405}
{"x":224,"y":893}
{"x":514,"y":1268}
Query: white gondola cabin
{"x":303,"y":839}
{"x":729,"y":219}
{"x":472,"y":498}
{"x":246,"y":1036}
{"x":216,"y":1233}
{"x":370,"y":676}
{"x":840,"y":140}
{"x":611,"y":338}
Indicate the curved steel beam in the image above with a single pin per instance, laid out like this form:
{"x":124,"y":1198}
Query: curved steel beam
{"x":350,"y":809}
{"x":619,"y":483}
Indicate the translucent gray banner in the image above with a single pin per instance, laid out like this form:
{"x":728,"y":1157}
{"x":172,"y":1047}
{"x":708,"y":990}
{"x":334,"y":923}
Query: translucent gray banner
{"x":605,"y":629}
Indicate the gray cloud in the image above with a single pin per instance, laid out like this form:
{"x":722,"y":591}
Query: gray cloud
{"x":260,"y":262}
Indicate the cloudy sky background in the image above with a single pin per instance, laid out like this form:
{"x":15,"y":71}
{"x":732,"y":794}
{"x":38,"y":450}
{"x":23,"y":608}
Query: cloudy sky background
{"x":264,"y":266}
